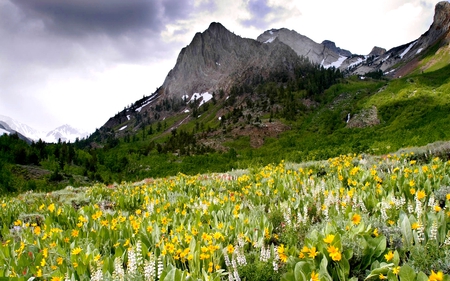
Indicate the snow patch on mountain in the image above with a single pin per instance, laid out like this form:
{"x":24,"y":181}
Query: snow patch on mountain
{"x":408,"y":49}
{"x":335,"y":64}
{"x":204,"y":96}
{"x":2,"y":132}
{"x":270,"y":40}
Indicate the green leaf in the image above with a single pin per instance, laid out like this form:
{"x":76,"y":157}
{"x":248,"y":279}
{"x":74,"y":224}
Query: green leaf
{"x":348,"y":254}
{"x":323,"y":272}
{"x":405,"y":227}
{"x":421,"y":277}
{"x":383,"y":269}
{"x":396,"y":259}
{"x":301,"y":270}
{"x":407,"y":273}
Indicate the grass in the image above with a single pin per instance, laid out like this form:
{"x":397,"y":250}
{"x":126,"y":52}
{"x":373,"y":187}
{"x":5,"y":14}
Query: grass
{"x":347,"y":218}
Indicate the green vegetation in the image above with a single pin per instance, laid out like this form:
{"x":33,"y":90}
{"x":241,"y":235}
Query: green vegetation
{"x":69,"y":209}
{"x":411,"y":111}
{"x":348,"y":218}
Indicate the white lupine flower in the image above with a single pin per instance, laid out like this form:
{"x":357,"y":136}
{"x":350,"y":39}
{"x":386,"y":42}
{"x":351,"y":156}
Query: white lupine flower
{"x":160,"y":267}
{"x":149,"y":268}
{"x":236,"y":276}
{"x":431,"y":201}
{"x":138,"y":253}
{"x":362,"y":205}
{"x":287,"y":216}
{"x":98,"y":273}
{"x":119,"y":272}
{"x":240,"y":257}
{"x":227,"y":259}
{"x":419,"y":209}
{"x":434,"y":231}
{"x":265,"y":254}
{"x":420,"y":234}
{"x":447,"y":240}
{"x":275,"y":265}
{"x":132,"y":265}
{"x":410,"y":208}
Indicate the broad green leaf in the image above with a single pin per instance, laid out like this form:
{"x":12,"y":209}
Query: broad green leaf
{"x":407,"y":273}
{"x":405,"y":227}
{"x":422,"y":276}
{"x":301,"y":270}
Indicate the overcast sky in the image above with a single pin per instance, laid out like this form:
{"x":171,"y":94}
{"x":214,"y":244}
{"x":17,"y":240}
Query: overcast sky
{"x":80,"y":62}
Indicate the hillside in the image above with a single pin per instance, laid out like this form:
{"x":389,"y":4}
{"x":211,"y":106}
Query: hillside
{"x":262,"y":107}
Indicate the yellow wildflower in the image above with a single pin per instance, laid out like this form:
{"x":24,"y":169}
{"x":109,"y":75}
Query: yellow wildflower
{"x":420,"y":194}
{"x":356,"y":219}
{"x":334,"y":252}
{"x":329,"y":239}
{"x":76,"y":251}
{"x":396,"y":270}
{"x":314,"y":276}
{"x":436,"y":276}
{"x":51,"y":207}
{"x":230,"y":249}
{"x":312,"y":252}
{"x":389,"y":256}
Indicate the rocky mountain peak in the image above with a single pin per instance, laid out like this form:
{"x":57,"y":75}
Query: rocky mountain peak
{"x":217,"y":58}
{"x":332,"y":46}
{"x":441,"y":22}
{"x":377,"y":51}
{"x":302,"y":45}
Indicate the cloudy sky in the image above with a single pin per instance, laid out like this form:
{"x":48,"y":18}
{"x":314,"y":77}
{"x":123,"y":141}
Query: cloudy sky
{"x":80,"y":62}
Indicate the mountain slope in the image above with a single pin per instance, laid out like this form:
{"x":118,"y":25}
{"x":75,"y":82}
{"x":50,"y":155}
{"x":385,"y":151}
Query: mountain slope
{"x":302,"y":45}
{"x":429,"y":52}
{"x":23,"y":129}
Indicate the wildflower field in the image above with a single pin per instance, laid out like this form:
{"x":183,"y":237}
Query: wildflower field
{"x":348,"y":218}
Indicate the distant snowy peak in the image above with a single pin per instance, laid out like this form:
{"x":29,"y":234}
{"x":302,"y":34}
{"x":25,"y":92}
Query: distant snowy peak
{"x":65,"y":133}
{"x":21,"y":128}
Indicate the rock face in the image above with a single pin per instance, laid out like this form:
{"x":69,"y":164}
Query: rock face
{"x":439,"y":29}
{"x":332,"y":46}
{"x":302,"y":45}
{"x":408,"y":54}
{"x":377,"y":51}
{"x":365,"y":118}
{"x":217,"y":59}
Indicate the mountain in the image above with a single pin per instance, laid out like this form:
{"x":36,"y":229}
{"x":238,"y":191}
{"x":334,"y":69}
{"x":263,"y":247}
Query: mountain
{"x":428,"y":52}
{"x":396,"y":62}
{"x":303,"y":46}
{"x":332,"y":46}
{"x":65,"y":133}
{"x":213,"y":62}
{"x":6,"y":129}
{"x":21,"y":128}
{"x":27,"y":133}
{"x":217,"y":59}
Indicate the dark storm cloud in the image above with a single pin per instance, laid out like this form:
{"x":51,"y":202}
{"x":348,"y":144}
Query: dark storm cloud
{"x":110,"y":17}
{"x":259,"y":9}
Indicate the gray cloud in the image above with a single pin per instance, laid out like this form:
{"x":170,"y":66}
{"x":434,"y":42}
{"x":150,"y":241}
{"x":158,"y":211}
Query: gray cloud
{"x":110,"y":17}
{"x":260,"y":10}
{"x":44,"y":40}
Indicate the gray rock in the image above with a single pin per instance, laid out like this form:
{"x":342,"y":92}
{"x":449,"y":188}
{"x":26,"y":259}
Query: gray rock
{"x":217,"y":59}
